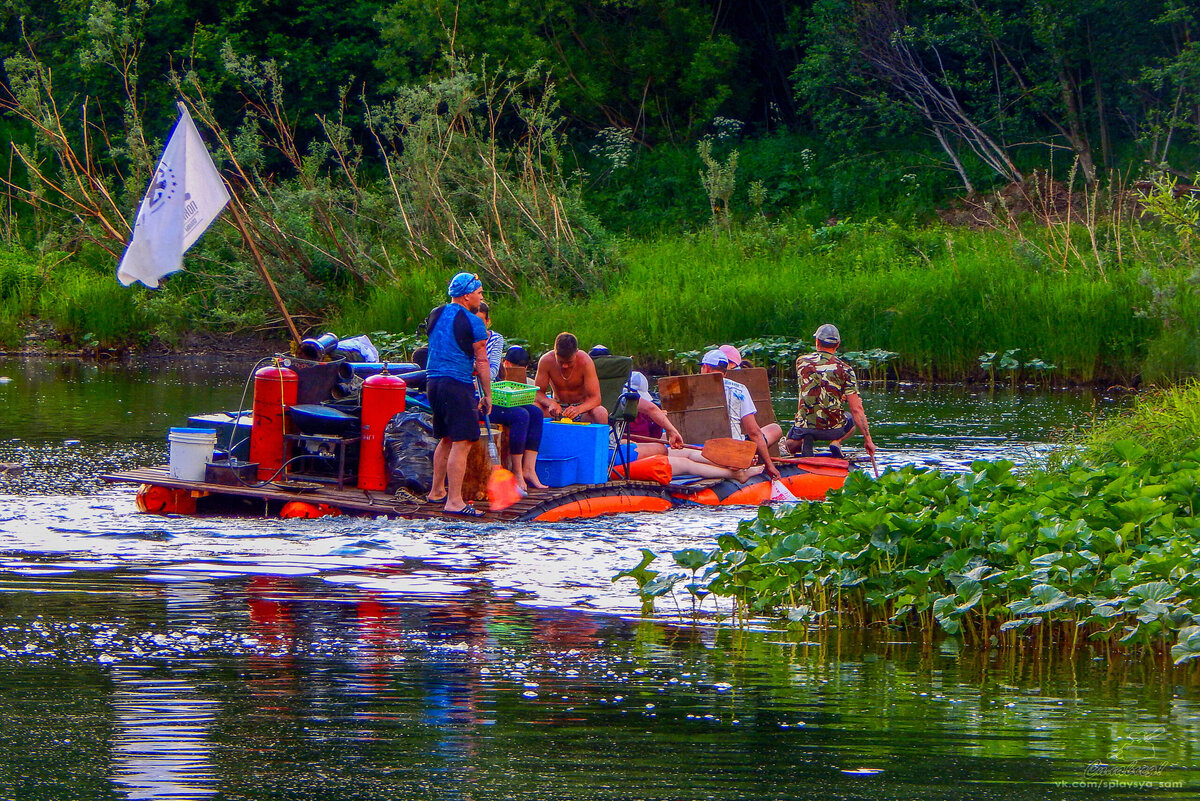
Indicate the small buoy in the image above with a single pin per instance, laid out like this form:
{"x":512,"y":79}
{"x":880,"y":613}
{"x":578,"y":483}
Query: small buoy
{"x":157,"y":500}
{"x":304,"y":510}
{"x":70,"y":442}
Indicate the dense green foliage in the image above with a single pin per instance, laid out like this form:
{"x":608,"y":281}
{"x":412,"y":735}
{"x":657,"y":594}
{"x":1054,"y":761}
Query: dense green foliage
{"x":938,"y":298}
{"x":1104,"y":557}
{"x":1099,"y":550}
{"x":380,"y":145}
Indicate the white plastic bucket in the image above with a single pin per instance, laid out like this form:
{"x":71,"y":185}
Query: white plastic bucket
{"x":191,"y":449}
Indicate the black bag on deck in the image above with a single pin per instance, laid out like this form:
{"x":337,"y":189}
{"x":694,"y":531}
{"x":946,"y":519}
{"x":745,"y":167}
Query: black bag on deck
{"x":408,"y":445}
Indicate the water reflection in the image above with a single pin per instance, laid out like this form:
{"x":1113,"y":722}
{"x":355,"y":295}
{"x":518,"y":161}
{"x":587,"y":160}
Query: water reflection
{"x":292,"y":687}
{"x":161,"y":746}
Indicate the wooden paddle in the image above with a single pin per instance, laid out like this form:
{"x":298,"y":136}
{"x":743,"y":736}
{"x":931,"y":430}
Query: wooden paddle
{"x":817,"y":465}
{"x":735,"y":454}
{"x":813,"y":461}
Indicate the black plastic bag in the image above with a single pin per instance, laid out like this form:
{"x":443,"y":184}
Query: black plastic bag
{"x":408,"y":445}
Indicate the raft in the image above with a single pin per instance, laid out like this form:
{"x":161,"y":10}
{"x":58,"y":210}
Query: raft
{"x":161,"y":493}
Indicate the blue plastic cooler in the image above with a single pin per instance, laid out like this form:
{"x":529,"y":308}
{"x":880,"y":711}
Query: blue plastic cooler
{"x":587,"y":443}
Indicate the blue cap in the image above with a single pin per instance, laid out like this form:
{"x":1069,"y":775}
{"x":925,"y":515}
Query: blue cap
{"x":463,"y":284}
{"x":715,"y":358}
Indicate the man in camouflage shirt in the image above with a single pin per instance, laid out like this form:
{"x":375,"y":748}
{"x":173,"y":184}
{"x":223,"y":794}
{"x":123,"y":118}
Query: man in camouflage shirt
{"x":827,"y":387}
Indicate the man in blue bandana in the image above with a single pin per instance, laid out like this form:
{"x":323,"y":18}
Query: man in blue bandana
{"x":457,"y":354}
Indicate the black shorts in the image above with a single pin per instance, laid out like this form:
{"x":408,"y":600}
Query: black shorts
{"x":822,"y":434}
{"x":455,"y":410}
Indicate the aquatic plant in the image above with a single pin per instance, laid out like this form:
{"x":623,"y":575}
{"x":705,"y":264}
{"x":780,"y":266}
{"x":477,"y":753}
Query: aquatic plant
{"x":652,"y":584}
{"x":396,"y":347}
{"x":1104,"y":557}
{"x":872,"y":363}
{"x":1006,"y":361}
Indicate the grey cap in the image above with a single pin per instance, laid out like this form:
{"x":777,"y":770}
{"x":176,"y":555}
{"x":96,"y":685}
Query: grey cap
{"x":828,"y":335}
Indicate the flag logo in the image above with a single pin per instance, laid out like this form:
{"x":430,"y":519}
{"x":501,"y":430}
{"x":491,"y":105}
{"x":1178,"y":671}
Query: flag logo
{"x":162,"y":189}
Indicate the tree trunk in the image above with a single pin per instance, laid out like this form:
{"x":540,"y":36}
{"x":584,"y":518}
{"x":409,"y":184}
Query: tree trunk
{"x":958,"y":166}
{"x":1076,"y":134}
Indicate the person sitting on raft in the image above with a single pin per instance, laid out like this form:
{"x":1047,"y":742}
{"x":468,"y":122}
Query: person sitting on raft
{"x":517,"y":358}
{"x":524,"y":422}
{"x":741,"y":408}
{"x":827,"y":385}
{"x":570,"y":375}
{"x":652,"y":423}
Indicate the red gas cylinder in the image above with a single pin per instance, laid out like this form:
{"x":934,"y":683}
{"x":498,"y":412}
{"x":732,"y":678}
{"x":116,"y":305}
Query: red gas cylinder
{"x":274,"y":390}
{"x":382,"y":399}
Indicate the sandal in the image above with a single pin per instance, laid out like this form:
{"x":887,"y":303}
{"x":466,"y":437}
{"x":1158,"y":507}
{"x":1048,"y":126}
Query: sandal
{"x":466,"y":511}
{"x":836,"y":452}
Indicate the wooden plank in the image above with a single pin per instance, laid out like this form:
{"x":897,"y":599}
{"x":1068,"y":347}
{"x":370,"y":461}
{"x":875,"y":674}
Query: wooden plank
{"x":695,"y":404}
{"x":681,"y":393}
{"x":736,"y":454}
{"x":360,"y":501}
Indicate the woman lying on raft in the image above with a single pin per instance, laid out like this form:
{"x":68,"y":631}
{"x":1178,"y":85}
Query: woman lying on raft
{"x":651,"y":423}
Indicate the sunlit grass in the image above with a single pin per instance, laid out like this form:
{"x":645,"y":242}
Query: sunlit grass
{"x":1164,"y":422}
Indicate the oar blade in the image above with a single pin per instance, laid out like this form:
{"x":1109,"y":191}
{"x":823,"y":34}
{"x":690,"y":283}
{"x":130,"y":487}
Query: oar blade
{"x":735,"y":454}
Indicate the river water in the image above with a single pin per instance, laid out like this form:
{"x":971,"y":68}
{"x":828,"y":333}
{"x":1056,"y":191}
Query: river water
{"x":145,"y":657}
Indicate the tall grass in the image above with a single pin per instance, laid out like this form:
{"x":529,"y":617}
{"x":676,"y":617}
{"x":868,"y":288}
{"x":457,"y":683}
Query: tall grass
{"x":93,"y":308}
{"x":939,"y":298}
{"x":1166,"y":423}
{"x":19,"y":281}
{"x":83,"y":300}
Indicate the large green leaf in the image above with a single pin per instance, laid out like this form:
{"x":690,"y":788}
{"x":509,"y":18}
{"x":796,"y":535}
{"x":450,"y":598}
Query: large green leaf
{"x":661,"y":585}
{"x":1188,"y":646}
{"x":639,"y":573}
{"x":1154,"y":591}
{"x":1042,"y":600}
{"x":692,"y":558}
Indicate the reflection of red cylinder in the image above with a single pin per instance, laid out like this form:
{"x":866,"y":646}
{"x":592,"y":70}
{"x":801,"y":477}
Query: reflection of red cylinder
{"x":274,"y":390}
{"x":382,"y":399}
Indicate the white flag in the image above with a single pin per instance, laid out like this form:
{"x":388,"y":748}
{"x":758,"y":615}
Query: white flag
{"x":185,"y":196}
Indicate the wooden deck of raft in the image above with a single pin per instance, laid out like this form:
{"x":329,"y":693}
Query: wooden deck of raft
{"x":352,"y":500}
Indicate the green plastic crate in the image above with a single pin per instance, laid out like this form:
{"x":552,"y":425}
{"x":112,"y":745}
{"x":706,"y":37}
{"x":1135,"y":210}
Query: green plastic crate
{"x":510,"y":393}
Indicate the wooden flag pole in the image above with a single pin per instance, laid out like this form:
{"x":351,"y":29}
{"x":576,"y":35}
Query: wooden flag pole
{"x":240,"y":222}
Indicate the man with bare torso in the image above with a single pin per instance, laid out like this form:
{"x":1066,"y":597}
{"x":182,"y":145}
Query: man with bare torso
{"x":571,"y":375}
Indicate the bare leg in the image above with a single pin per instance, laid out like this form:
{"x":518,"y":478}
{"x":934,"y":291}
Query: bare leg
{"x":529,"y":471}
{"x":516,"y":466}
{"x":440,"y":456}
{"x":645,"y":449}
{"x":773,"y":433}
{"x":681,"y":465}
{"x":456,"y":468}
{"x":597,"y":415}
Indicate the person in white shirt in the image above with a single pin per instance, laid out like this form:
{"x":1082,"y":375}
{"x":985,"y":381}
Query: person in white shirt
{"x":742,"y":423}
